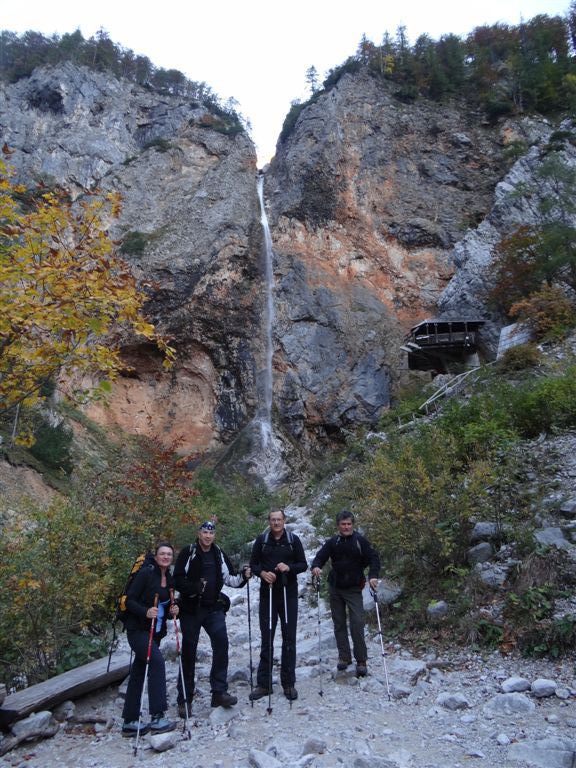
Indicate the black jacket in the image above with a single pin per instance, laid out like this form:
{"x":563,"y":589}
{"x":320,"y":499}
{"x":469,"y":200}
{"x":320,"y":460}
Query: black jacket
{"x":267,"y":552}
{"x":140,"y":597}
{"x":187,"y":574}
{"x":350,"y":556}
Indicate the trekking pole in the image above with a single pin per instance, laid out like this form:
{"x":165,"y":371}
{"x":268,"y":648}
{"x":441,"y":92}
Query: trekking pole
{"x":148,"y":654}
{"x":269,"y":710}
{"x":113,"y":646}
{"x":316,"y":585}
{"x":375,"y":596}
{"x":179,"y":654}
{"x":250,"y":642}
{"x":284,"y":580}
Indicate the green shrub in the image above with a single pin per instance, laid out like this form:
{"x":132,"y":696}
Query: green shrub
{"x":519,"y":358}
{"x":162,"y":145}
{"x":134,"y":243}
{"x":52,"y":446}
{"x":549,"y":312}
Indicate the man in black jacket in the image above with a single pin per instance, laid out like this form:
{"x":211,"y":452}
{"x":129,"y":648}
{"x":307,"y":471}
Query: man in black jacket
{"x":350,"y":554}
{"x":200,"y":572}
{"x":277,"y":558}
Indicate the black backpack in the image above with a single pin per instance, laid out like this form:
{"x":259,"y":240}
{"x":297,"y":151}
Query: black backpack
{"x":145,"y":559}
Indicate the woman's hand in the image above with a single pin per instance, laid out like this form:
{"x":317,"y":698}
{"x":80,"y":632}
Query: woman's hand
{"x":174,"y":610}
{"x":152,"y":613}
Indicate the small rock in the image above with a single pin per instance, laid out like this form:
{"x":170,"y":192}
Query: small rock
{"x":512,"y":684}
{"x":161,"y":742}
{"x":544,"y":753}
{"x":260,"y":759}
{"x":314,"y":746}
{"x":436,"y":611}
{"x":453,"y":701}
{"x":509,"y":704}
{"x":542,"y":688}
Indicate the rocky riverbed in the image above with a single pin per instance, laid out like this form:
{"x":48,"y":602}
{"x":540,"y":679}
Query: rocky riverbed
{"x":462,"y":709}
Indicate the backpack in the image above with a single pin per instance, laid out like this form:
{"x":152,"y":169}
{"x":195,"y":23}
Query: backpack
{"x":145,"y":559}
{"x":289,"y":535}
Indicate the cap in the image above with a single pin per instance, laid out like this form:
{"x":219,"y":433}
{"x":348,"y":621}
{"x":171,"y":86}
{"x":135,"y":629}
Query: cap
{"x":208,"y":525}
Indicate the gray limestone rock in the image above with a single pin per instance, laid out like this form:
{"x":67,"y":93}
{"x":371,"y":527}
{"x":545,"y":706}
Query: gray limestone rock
{"x":162,"y":742}
{"x":453,"y":701}
{"x":314,"y":746}
{"x":541,"y":688}
{"x":437,"y":610}
{"x":509,"y":704}
{"x":544,"y":753}
{"x":481,"y":553}
{"x":260,"y":759}
{"x":484,"y":531}
{"x":552,"y":537}
{"x":515,"y":684}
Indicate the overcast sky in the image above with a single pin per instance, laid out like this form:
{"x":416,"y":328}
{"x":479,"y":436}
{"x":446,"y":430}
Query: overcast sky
{"x":258,"y":51}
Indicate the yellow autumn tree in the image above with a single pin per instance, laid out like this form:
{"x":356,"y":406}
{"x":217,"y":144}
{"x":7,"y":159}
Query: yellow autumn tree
{"x":65,"y":295}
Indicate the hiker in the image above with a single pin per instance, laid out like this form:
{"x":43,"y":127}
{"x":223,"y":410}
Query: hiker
{"x":277,"y":558}
{"x":153,"y":579}
{"x":350,"y":554}
{"x":201,"y":570}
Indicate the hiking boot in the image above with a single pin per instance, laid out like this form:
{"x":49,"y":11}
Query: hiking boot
{"x":291,"y":693}
{"x":259,"y":692}
{"x":223,"y":699}
{"x":131,"y":729}
{"x":342,"y":665}
{"x":361,"y":669}
{"x":161,"y":724}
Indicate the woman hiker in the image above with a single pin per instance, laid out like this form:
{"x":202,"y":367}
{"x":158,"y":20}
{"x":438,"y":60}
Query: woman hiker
{"x":151,"y":585}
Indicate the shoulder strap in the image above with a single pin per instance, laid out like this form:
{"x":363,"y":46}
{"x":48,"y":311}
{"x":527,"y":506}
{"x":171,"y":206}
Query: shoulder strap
{"x":289,"y":536}
{"x":190,"y":558}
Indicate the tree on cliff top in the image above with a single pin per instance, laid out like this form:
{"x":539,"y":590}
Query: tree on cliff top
{"x":65,"y":296}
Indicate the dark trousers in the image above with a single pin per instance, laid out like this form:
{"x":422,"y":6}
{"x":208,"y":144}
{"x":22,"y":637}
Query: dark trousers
{"x":138,"y":641}
{"x":214,"y":622}
{"x":349,"y":601}
{"x":288,"y":658}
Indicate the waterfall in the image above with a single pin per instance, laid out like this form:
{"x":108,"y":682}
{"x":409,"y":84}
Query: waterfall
{"x":264,"y":415}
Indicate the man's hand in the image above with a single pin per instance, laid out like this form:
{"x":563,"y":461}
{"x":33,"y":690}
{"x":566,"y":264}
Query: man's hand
{"x":268,"y":576}
{"x":282,"y":568}
{"x":316,"y":572}
{"x":373,"y":584}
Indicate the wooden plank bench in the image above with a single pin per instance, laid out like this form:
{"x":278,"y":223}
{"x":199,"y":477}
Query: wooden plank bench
{"x":69,"y":685}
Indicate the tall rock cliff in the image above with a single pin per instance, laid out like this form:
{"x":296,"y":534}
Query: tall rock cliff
{"x":369,"y":200}
{"x":367,"y":197}
{"x":190,"y":218}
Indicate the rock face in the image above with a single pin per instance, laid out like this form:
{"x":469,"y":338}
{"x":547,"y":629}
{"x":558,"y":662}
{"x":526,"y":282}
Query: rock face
{"x":190,"y":204}
{"x":367,"y":196}
{"x":368,"y":200}
{"x":513,"y":206}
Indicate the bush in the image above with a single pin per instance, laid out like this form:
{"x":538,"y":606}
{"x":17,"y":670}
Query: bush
{"x":134,"y":243}
{"x":519,"y":358}
{"x":52,"y":446}
{"x":162,"y":145}
{"x":549,"y":312}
